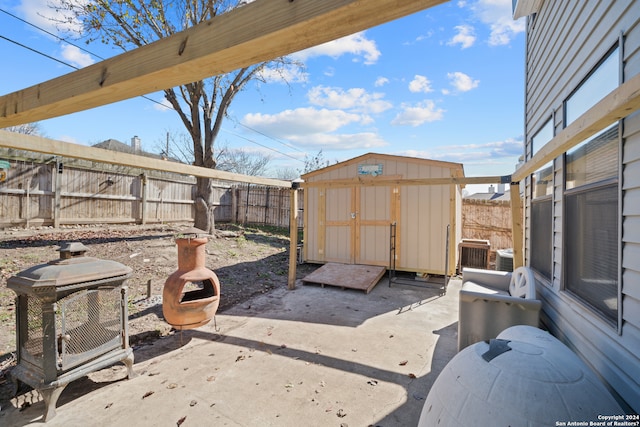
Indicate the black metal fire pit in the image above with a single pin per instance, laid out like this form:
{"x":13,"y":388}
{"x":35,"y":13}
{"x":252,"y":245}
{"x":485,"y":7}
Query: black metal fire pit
{"x":71,"y":319}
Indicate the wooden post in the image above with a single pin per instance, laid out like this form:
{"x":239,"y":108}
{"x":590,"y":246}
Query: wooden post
{"x":266,"y":209}
{"x":516,"y":226}
{"x":57,"y":184}
{"x":143,"y":201}
{"x":293,"y":236}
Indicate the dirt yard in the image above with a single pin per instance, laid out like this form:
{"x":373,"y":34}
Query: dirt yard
{"x":248,"y":261}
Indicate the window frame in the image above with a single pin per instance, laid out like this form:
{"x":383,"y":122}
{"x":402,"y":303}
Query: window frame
{"x":546,"y":128}
{"x":540,"y":200}
{"x":617,"y":180}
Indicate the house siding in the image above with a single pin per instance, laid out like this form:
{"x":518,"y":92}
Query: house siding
{"x":565,"y":41}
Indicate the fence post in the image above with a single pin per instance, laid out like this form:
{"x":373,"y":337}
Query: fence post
{"x":143,"y":201}
{"x":57,"y":186}
{"x":293,"y":235}
{"x":266,"y":208}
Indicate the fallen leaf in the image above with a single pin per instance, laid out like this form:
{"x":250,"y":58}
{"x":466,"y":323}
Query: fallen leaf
{"x":341,"y":413}
{"x":404,"y":362}
{"x":172,"y":386}
{"x":193,"y":403}
{"x":241,"y":357}
{"x":412,"y":376}
{"x":181,"y":420}
{"x":147,"y":394}
{"x":108,"y":405}
{"x":211,"y":378}
{"x":372,"y":382}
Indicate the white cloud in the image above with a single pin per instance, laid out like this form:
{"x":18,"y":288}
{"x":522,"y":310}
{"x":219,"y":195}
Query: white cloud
{"x":163,"y":105}
{"x":482,"y":153}
{"x":381,"y":81}
{"x":290,"y":124}
{"x":465,"y":37}
{"x":363,"y":140}
{"x":462,"y":82}
{"x":355,"y":99}
{"x":497,"y":15}
{"x":75,"y":56}
{"x":43,"y":13}
{"x":416,"y":115}
{"x":315,"y":128}
{"x":356,"y":44}
{"x":490,"y":153}
{"x":420,"y":84}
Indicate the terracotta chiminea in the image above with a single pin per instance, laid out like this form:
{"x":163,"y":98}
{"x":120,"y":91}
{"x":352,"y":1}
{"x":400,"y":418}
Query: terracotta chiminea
{"x":191,"y":295}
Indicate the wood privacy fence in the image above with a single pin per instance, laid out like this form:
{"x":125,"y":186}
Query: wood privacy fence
{"x":487,"y":220}
{"x":53,"y":193}
{"x":57,"y":193}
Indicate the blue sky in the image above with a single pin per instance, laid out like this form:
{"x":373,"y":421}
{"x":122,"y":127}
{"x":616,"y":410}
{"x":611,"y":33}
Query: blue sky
{"x":446,"y":83}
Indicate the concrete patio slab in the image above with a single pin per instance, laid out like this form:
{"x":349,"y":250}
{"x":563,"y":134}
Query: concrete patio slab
{"x":312,"y":356}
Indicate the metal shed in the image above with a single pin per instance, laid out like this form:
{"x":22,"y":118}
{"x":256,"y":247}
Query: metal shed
{"x":353,"y":209}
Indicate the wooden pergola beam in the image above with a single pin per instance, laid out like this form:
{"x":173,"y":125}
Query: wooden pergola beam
{"x":620,"y":103}
{"x":260,"y":31}
{"x":517,"y":229}
{"x":389,"y":181}
{"x":49,"y":146}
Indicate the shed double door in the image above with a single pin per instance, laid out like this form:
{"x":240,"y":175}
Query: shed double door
{"x":356,"y":224}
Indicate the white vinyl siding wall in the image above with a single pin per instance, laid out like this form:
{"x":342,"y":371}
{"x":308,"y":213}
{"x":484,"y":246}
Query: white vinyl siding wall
{"x":565,"y":41}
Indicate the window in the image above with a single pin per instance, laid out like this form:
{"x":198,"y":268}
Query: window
{"x":544,"y":135}
{"x":541,"y":258}
{"x":591,"y":224}
{"x":594,"y":161}
{"x":598,"y":84}
{"x":591,"y":214}
{"x":591,"y":259}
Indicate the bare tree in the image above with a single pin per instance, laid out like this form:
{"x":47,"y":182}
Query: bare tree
{"x":243,"y":162}
{"x":314,"y":163}
{"x":202,"y":105}
{"x":177,"y":146}
{"x":287,"y":173}
{"x":26,"y":129}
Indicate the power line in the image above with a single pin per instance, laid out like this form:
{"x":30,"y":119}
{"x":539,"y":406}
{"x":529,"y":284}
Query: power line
{"x":37,"y":51}
{"x":50,"y":33}
{"x":261,"y":145}
{"x":270,"y":137}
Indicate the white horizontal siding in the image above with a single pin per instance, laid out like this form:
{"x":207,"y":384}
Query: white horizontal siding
{"x":565,"y":41}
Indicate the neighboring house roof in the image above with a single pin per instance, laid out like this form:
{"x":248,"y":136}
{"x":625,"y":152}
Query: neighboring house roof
{"x":115,"y":145}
